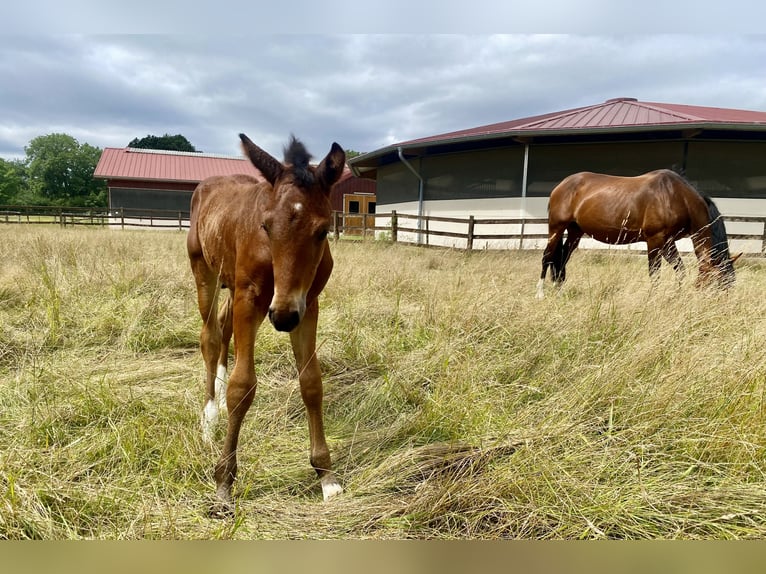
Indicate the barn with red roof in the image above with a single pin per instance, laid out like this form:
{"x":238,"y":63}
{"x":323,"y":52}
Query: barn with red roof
{"x":145,"y":180}
{"x":508,"y":169}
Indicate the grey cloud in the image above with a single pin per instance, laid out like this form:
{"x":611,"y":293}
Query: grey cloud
{"x":363,"y":91}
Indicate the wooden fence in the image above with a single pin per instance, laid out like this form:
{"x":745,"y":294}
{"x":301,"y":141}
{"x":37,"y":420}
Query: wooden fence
{"x":398,"y":223}
{"x":398,"y":227}
{"x":122,"y":217}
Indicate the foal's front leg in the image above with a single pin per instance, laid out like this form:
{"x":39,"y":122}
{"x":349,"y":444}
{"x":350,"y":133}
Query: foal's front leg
{"x":303,"y":339}
{"x":246,"y":318}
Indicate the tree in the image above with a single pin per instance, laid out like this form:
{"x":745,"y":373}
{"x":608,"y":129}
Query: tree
{"x":61,"y":171}
{"x":13,"y":175}
{"x":166,"y":142}
{"x":352,"y":153}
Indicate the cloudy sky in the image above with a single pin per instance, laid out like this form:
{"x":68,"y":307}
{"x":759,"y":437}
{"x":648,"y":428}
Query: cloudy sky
{"x":362,"y":90}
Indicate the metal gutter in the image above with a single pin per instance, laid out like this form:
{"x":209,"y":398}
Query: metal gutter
{"x":420,"y":193}
{"x":524,"y":172}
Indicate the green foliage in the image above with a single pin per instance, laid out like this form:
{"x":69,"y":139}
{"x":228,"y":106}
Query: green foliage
{"x":352,"y":153}
{"x":166,"y":142}
{"x":13,"y":175}
{"x":60,"y":172}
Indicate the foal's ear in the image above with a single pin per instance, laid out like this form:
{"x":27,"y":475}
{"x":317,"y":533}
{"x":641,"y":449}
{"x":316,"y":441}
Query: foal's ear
{"x":269,"y":166}
{"x":331,"y":167}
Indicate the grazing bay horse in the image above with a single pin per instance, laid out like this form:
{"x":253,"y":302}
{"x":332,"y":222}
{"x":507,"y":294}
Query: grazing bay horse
{"x":267,"y":243}
{"x":658,"y":207}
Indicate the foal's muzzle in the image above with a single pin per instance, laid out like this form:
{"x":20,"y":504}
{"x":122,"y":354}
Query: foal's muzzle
{"x":284,"y":320}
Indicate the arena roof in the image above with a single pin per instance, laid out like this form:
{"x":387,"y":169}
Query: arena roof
{"x":613,"y":116}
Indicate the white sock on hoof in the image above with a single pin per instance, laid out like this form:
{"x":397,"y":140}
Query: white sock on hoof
{"x":330,"y":489}
{"x":209,"y":419}
{"x":540,"y":294}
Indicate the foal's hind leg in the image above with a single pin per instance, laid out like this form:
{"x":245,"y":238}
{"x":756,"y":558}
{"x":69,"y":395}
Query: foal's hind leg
{"x":303,"y":339}
{"x":210,"y":339}
{"x":225,"y":321}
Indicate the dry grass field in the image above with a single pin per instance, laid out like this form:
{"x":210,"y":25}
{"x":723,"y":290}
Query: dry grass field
{"x":457,"y":406}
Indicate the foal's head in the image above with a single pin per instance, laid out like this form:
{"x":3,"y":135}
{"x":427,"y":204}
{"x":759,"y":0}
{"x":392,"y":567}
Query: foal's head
{"x":295,"y":220}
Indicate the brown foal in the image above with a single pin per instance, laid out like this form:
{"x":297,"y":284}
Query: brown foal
{"x":267,"y":243}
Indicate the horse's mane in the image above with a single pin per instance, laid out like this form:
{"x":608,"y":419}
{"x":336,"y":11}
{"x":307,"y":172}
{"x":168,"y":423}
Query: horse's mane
{"x":717,"y":228}
{"x":717,"y":231}
{"x":297,"y":156}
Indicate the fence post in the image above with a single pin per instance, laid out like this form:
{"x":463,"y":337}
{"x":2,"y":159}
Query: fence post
{"x":394,"y":227}
{"x":336,"y":224}
{"x":180,"y":224}
{"x":763,"y":239}
{"x":469,"y":239}
{"x":521,"y":234}
{"x":122,"y":218}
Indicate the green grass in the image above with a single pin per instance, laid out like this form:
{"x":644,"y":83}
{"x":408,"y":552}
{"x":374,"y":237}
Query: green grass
{"x":456,"y":404}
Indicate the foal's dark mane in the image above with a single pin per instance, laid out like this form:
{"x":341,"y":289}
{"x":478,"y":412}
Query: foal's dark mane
{"x":298,"y":156}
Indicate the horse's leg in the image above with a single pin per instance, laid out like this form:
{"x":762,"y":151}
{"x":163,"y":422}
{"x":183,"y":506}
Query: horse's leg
{"x":303,"y":339}
{"x":247,"y":317}
{"x":225,"y":321}
{"x":574,"y":234}
{"x":670,"y":253}
{"x":654,"y":249}
{"x":210,"y":340}
{"x":551,"y":253}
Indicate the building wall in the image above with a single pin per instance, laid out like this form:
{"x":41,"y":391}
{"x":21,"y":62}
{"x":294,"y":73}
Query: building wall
{"x":147,"y":200}
{"x":720,"y":168}
{"x":351,"y":185}
{"x":728,"y":169}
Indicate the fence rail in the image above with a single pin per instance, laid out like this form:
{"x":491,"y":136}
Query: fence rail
{"x":120,"y":217}
{"x":396,"y":224}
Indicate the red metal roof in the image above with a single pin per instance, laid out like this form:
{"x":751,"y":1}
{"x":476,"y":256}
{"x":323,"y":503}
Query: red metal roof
{"x":158,"y":165}
{"x":614,"y":113}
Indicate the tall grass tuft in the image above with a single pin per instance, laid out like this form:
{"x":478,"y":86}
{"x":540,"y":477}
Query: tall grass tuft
{"x":457,"y":405}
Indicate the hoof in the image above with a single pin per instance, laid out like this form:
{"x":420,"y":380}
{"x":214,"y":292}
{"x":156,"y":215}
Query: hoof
{"x":330,"y":489}
{"x":223,"y":507}
{"x":221,"y":510}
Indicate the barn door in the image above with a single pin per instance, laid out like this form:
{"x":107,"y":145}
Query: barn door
{"x":359,"y":213}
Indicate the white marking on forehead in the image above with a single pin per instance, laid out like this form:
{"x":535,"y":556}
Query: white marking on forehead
{"x":297,"y":207}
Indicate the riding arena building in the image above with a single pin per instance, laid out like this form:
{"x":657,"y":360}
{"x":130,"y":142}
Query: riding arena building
{"x":508,"y":169}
